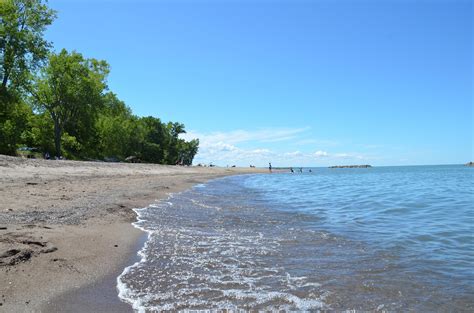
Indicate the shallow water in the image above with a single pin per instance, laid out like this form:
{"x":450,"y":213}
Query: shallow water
{"x":391,"y":238}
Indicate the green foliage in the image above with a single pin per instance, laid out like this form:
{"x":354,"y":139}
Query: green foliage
{"x":57,"y":102}
{"x":115,"y":128}
{"x":156,"y":140}
{"x":22,"y":46}
{"x":70,"y":88}
{"x":188,"y":150}
{"x":14,"y":124}
{"x":70,"y":146}
{"x":122,"y":134}
{"x":41,"y":133}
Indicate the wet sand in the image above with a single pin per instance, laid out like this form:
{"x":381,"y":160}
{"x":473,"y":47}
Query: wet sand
{"x":65,"y":227}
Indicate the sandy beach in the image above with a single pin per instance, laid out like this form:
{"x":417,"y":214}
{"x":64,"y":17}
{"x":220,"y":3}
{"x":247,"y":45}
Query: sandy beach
{"x":66,"y":225}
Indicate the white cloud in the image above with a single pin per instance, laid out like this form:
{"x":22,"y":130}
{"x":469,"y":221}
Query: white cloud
{"x":294,"y":154}
{"x":264,"y":135}
{"x":320,"y":153}
{"x":228,"y":148}
{"x":221,"y":146}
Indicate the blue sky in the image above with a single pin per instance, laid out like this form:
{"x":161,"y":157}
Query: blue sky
{"x":310,"y":83}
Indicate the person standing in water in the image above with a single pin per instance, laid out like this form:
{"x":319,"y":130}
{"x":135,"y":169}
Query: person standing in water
{"x":270,"y":166}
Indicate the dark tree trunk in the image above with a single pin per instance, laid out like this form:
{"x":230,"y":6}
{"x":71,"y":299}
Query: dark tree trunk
{"x":5,"y":81}
{"x":6,"y":74}
{"x":57,"y":137}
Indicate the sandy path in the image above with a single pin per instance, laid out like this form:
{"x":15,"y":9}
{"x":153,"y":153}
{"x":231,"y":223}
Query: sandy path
{"x":66,"y":224}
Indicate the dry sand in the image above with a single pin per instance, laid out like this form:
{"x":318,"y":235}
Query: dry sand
{"x":66,"y":225}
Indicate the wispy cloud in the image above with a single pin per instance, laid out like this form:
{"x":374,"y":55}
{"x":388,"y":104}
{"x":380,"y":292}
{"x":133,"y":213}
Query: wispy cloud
{"x":232,"y":148}
{"x":238,"y":136}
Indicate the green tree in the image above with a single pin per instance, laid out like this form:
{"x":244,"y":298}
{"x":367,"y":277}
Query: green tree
{"x":187,"y":151}
{"x":22,"y":46}
{"x":22,"y":51}
{"x":40,"y":132}
{"x":14,"y":125}
{"x":172,"y":147}
{"x":70,"y":87}
{"x":154,"y":144}
{"x":116,"y":128}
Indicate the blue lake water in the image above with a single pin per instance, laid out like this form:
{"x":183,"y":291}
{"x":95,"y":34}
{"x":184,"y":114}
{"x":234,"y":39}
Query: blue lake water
{"x":385,"y":238}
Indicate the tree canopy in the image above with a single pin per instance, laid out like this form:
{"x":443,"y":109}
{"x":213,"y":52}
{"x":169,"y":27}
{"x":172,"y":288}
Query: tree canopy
{"x":22,"y":45}
{"x":60,"y":103}
{"x":70,"y":90}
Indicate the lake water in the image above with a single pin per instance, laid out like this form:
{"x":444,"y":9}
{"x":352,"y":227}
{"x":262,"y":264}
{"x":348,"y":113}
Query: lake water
{"x":382,"y":239}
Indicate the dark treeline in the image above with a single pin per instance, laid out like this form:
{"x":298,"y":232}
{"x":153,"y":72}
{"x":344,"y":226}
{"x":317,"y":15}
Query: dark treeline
{"x":59,"y":103}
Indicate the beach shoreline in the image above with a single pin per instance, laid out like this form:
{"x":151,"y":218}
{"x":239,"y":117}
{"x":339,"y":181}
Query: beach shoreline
{"x":66,"y":225}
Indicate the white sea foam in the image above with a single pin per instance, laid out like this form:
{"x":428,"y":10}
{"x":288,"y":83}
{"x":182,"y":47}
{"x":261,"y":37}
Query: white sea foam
{"x":183,"y":266}
{"x":124,"y":292}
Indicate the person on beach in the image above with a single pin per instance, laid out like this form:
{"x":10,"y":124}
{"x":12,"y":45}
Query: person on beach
{"x":270,"y":166}
{"x":291,"y":169}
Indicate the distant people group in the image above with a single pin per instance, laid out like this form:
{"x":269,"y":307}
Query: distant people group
{"x":300,"y":170}
{"x":270,"y":168}
{"x":292,"y":170}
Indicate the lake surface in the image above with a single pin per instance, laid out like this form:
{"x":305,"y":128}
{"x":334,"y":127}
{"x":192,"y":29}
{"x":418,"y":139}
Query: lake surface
{"x":387,"y":238}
